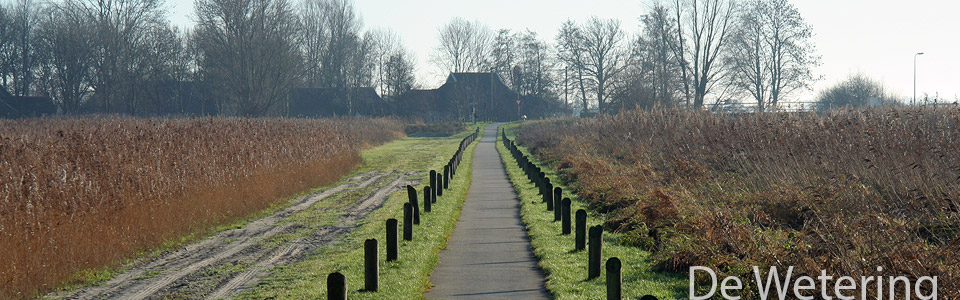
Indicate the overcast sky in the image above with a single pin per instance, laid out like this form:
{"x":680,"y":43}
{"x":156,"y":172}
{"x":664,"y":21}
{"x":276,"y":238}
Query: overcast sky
{"x":877,"y":38}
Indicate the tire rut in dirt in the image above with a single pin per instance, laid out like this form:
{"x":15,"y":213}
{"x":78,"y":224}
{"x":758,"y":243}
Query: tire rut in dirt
{"x":211,"y":262}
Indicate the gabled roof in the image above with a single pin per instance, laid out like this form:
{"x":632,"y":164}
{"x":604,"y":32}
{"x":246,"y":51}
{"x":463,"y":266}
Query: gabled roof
{"x":473,"y":77}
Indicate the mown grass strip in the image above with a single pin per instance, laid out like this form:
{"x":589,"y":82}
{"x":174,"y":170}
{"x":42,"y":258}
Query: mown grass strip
{"x":407,"y":278}
{"x":566,"y":270}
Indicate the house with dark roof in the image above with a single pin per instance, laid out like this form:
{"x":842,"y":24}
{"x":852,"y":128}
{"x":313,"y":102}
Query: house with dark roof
{"x":463,"y":97}
{"x":328,"y":102}
{"x":26,"y":106}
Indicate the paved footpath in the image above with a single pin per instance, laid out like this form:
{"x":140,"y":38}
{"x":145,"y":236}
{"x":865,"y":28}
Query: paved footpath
{"x":488,"y":255}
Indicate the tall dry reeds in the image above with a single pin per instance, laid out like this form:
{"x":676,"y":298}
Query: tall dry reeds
{"x":78,"y":194}
{"x":844,"y":191}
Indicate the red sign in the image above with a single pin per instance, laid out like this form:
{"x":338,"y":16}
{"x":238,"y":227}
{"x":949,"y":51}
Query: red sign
{"x":518,"y":101}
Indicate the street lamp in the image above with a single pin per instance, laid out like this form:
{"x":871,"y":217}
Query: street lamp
{"x":915,"y":77}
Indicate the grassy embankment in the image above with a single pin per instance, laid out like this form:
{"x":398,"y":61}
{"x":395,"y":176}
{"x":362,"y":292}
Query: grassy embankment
{"x":407,"y":278}
{"x":847,"y":192}
{"x":565,"y":269}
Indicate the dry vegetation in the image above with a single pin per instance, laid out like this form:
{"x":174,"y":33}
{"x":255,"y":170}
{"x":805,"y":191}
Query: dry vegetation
{"x":79,"y":194}
{"x":845,"y":191}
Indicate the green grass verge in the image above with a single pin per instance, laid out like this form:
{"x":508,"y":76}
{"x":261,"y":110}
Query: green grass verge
{"x":407,"y":278}
{"x":566,"y":270}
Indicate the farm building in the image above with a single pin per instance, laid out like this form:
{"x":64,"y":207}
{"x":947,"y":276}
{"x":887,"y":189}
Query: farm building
{"x":328,"y":102}
{"x":26,"y":106}
{"x":459,"y":95}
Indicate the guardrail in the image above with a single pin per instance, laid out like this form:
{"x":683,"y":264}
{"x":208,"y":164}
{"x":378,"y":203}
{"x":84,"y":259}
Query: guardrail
{"x":561,"y":208}
{"x":438,"y":181}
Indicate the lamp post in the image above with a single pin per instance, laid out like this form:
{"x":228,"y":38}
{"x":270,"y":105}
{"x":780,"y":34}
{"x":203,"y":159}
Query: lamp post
{"x":915,"y":77}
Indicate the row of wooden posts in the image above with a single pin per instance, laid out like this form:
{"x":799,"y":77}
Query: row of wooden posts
{"x":438,"y":181}
{"x":553,"y":197}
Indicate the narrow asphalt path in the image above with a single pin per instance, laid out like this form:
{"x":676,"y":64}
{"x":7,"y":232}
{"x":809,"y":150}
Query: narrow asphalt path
{"x":488,"y":255}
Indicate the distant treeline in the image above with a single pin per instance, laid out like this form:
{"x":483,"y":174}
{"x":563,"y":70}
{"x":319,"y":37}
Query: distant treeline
{"x":244,"y":57}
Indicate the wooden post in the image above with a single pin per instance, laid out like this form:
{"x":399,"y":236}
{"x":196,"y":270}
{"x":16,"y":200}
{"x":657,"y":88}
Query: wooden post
{"x":557,"y":209}
{"x":439,"y":184}
{"x":594,"y":256}
{"x":412,"y":196}
{"x":336,"y":286}
{"x":446,"y":177}
{"x":548,"y":197}
{"x":614,"y":279}
{"x":407,"y":222}
{"x":565,"y":216}
{"x":433,"y":185}
{"x":557,"y":194}
{"x":426,"y":199}
{"x":392,"y":239}
{"x":581,"y":232}
{"x":371,"y":266}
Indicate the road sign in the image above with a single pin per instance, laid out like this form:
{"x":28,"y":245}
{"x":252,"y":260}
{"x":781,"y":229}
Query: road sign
{"x":518,"y":101}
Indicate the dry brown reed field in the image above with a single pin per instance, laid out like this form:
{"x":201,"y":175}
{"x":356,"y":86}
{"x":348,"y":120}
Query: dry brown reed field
{"x":844,"y":191}
{"x":80,"y":194}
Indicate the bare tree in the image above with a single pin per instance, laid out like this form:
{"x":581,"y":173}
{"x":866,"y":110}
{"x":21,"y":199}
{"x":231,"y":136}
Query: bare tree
{"x":65,"y":35}
{"x":384,"y":44}
{"x":570,"y":51}
{"x":6,"y":45}
{"x":503,"y":56}
{"x":656,"y":53}
{"x":23,"y":59}
{"x":772,"y":53}
{"x":597,"y":52}
{"x":123,"y":30}
{"x":331,"y":38}
{"x":704,"y":31}
{"x":399,"y":75}
{"x":393,"y":65}
{"x":464,"y":46}
{"x":248,"y":52}
{"x":536,"y":76}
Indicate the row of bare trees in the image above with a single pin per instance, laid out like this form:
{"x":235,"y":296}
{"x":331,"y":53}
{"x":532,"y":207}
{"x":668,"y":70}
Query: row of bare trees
{"x":693,"y":53}
{"x":124,"y":56}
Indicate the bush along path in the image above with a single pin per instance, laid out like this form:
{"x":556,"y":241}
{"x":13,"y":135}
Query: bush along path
{"x":488,"y":255}
{"x":580,"y":259}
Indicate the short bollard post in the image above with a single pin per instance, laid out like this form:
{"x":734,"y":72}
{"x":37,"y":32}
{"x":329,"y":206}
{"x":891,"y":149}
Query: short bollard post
{"x":596,"y":237}
{"x":614,"y":279}
{"x":557,"y":209}
{"x":371,"y":266}
{"x":336,"y":286}
{"x":557,"y":193}
{"x":407,"y":222}
{"x":412,"y":195}
{"x":426,"y":199}
{"x":433,"y":184}
{"x":392,"y":239}
{"x":548,"y":197}
{"x":544,"y":181}
{"x":565,"y":216}
{"x":446,"y":177}
{"x":581,"y":232}
{"x":439,"y":184}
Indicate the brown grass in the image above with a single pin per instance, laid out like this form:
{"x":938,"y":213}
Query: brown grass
{"x":845,"y":191}
{"x":80,"y":194}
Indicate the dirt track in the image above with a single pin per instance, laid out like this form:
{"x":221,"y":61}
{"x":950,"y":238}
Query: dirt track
{"x":233,"y":260}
